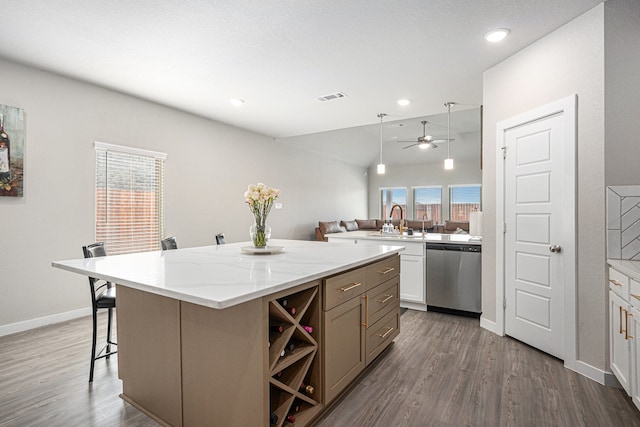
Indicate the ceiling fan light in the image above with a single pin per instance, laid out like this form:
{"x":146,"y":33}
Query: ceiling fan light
{"x":423,"y":145}
{"x":403,"y":102}
{"x":381,"y":169}
{"x":448,"y":164}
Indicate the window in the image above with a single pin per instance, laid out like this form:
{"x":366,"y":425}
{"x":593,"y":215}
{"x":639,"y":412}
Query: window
{"x":464,"y":199}
{"x":427,"y":201}
{"x":129,"y":198}
{"x":390,"y":197}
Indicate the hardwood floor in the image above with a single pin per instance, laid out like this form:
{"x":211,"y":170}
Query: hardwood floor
{"x":443,"y":370}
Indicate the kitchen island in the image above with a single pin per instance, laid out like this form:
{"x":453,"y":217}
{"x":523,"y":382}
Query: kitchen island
{"x":413,"y":290}
{"x":218,"y":336}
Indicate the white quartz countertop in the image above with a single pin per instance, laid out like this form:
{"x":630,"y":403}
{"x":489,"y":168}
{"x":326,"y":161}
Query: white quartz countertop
{"x":223,"y":276}
{"x":628,"y":267}
{"x":403,"y":239}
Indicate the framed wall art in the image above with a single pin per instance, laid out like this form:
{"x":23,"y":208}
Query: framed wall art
{"x":11,"y":151}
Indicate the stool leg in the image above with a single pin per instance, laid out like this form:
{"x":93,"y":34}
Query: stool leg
{"x":93,"y":344}
{"x":109,"y":332}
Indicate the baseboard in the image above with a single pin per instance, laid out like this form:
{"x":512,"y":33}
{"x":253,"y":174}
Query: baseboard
{"x":487,"y":324}
{"x":413,"y":305}
{"x":43,"y":321}
{"x":596,"y":374}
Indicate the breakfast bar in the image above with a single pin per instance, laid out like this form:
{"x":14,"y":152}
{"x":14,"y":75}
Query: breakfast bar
{"x":220,"y":335}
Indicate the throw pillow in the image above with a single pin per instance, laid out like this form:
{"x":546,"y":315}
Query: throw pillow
{"x":349,"y":225}
{"x":367,"y":224}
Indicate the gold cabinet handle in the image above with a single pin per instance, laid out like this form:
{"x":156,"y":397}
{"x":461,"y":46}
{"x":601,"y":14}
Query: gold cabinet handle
{"x":366,"y":311}
{"x":353,"y":285}
{"x":386,"y":333}
{"x":626,"y":325}
{"x":615,"y":282}
{"x":636,"y":296}
{"x":388,"y":297}
{"x":620,"y":307}
{"x":388,"y":270}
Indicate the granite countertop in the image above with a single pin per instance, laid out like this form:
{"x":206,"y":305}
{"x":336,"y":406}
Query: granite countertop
{"x":628,"y":267}
{"x":223,"y":276}
{"x":417,"y":237}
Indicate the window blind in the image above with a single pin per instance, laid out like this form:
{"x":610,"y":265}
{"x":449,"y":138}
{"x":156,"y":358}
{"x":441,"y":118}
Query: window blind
{"x":129,"y":199}
{"x":464,"y":199}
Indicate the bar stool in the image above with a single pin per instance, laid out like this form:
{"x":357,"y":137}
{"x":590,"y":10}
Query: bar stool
{"x":103,"y":296}
{"x":169,"y":243}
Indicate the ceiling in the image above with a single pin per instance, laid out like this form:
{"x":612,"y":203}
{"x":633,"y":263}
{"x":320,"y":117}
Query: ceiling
{"x":280,"y":55}
{"x":360,"y":145}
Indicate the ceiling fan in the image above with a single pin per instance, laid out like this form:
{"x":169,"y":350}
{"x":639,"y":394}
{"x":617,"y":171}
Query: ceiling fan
{"x":425,"y":141}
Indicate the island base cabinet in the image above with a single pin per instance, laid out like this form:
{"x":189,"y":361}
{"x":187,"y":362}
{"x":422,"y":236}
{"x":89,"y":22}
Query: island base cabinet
{"x":149,"y":357}
{"x":380,"y":335}
{"x":344,"y":346}
{"x":223,"y":365}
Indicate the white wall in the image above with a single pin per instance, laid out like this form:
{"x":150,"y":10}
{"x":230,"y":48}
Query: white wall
{"x":568,"y":61}
{"x":622,"y":93}
{"x":208,"y":167}
{"x":427,"y":174}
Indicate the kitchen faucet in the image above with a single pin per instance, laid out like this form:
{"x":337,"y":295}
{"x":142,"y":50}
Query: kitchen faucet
{"x":424,"y":216}
{"x":401,"y":226}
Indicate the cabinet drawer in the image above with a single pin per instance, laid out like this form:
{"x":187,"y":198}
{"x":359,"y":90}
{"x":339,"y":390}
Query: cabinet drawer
{"x":343,"y":287}
{"x":380,"y":335}
{"x":634,"y":292}
{"x":382,"y":271}
{"x":619,"y":283}
{"x":381,"y":300}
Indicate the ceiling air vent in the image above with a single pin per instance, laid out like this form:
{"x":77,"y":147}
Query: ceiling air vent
{"x":332,"y":96}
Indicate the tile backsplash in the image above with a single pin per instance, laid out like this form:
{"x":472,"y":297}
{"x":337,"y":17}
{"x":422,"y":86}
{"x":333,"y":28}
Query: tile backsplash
{"x":623,"y":222}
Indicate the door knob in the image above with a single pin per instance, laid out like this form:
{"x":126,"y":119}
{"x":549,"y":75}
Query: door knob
{"x":556,"y":249}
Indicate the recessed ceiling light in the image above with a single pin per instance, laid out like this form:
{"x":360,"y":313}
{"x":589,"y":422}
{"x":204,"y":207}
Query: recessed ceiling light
{"x":403,"y":102}
{"x":496,"y":35}
{"x":237,"y":102}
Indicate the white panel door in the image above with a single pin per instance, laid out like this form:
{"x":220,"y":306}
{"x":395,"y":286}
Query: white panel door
{"x":534,"y":188}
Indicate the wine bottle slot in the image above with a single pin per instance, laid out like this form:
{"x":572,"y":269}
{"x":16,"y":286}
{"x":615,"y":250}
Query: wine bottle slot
{"x":273,"y":418}
{"x":291,"y":346}
{"x":282,"y":353}
{"x":309,"y":329}
{"x":307,"y":389}
{"x":291,"y":310}
{"x":291,"y":418}
{"x":284,"y":302}
{"x":277,"y":328}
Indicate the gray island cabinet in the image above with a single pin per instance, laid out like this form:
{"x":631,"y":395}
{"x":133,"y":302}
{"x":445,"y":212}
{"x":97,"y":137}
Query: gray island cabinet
{"x":218,"y":336}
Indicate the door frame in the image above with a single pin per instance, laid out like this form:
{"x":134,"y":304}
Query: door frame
{"x":568,"y":108}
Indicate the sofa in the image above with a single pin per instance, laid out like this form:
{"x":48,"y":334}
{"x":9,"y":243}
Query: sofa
{"x":328,"y":227}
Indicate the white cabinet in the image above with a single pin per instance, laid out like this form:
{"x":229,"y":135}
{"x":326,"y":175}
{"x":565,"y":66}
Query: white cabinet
{"x":624,"y":324}
{"x":619,"y":343}
{"x":412,"y":283}
{"x":634,"y":327}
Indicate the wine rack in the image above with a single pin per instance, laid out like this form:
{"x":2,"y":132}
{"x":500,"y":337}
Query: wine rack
{"x":294,"y":357}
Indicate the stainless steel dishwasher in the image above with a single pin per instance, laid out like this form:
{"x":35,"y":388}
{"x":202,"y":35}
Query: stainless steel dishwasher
{"x":454,"y":277}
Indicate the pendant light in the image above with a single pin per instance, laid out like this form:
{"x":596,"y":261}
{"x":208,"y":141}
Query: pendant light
{"x":448,"y":162}
{"x":381,"y":166}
